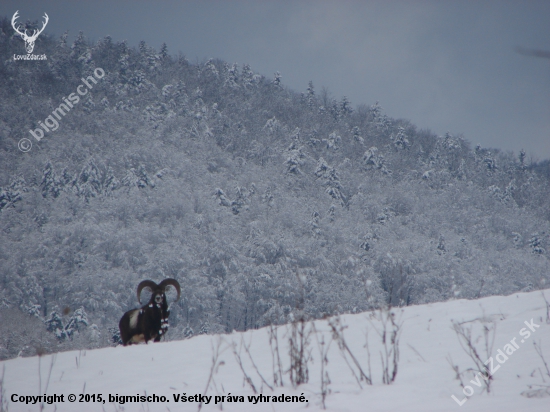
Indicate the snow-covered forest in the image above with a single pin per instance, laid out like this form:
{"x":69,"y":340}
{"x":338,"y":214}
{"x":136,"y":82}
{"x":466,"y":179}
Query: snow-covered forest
{"x":260,"y":200}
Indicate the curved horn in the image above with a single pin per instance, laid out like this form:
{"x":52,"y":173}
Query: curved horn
{"x":171,"y":282}
{"x":145,"y":284}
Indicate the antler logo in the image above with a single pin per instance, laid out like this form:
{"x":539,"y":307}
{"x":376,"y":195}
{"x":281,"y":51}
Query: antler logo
{"x":29,"y":40}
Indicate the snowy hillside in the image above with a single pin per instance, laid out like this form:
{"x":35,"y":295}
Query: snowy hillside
{"x":425,"y":380}
{"x":237,"y":186}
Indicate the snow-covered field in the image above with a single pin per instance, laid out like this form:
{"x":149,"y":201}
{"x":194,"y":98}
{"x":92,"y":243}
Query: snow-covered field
{"x":425,"y":380}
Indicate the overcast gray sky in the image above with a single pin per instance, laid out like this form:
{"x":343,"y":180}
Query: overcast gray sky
{"x":444,"y":65}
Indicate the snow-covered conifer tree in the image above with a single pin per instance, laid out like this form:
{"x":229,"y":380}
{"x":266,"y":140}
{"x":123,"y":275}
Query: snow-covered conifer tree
{"x":76,"y":322}
{"x":50,"y":184}
{"x":310,"y":97}
{"x":345,"y":107}
{"x":231,"y":76}
{"x":356,"y":133}
{"x":277,"y":79}
{"x":54,"y":324}
{"x":89,"y":182}
{"x":536,"y":244}
{"x":249,"y":79}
